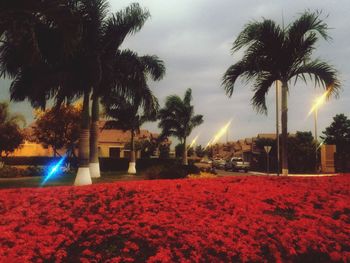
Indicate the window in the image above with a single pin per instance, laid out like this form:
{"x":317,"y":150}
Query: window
{"x":114,"y":152}
{"x":126,"y":154}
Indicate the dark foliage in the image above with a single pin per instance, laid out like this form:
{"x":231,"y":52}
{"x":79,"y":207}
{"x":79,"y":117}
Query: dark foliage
{"x":173,"y":171}
{"x":301,"y":156}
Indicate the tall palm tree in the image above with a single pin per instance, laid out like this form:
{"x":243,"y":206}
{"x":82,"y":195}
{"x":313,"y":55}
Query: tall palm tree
{"x":35,"y":37}
{"x":130,"y":108}
{"x":177,"y":119}
{"x":281,"y":54}
{"x":79,"y":74}
{"x":129,"y":116}
{"x":113,"y":31}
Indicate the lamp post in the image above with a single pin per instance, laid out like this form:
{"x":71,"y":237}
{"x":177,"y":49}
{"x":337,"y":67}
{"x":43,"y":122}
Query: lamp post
{"x":317,"y":103}
{"x":277,"y":130}
{"x":316,"y":141}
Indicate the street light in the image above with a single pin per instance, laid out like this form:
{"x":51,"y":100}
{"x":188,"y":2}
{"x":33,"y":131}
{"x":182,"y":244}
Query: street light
{"x":277,"y":129}
{"x":314,"y":109}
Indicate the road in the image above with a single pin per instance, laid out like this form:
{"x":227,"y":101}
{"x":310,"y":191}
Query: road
{"x":229,"y":173}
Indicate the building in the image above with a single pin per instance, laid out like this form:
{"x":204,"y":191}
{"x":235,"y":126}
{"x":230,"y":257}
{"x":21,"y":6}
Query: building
{"x":112,"y":143}
{"x":244,"y":148}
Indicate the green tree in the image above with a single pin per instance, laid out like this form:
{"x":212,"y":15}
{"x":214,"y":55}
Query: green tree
{"x":131,"y":114}
{"x":139,"y":105}
{"x":58,"y":127}
{"x":37,"y":37}
{"x":301,"y":149}
{"x":274,"y":54}
{"x":129,"y":117}
{"x":179,"y":149}
{"x":301,"y":158}
{"x":177,"y":119}
{"x":109,"y":38}
{"x":87,"y":68}
{"x":338,"y":133}
{"x":200,"y":151}
{"x":164,"y":150}
{"x":45,"y":56}
{"x":11,"y":136}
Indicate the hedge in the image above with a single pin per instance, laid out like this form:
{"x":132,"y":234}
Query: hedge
{"x":106,"y":164}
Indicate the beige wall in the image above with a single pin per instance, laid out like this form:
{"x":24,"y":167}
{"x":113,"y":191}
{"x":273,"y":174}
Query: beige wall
{"x":105,"y":147}
{"x":35,"y":149}
{"x":327,"y":158}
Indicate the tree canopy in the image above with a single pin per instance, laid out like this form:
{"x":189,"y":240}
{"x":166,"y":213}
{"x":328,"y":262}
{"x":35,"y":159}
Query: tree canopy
{"x":338,"y":133}
{"x":11,"y":136}
{"x":58,"y":127}
{"x":280,"y":53}
{"x":177,"y":117}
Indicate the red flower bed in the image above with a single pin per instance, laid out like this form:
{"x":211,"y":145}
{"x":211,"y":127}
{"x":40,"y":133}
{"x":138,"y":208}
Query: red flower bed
{"x":239,"y":219}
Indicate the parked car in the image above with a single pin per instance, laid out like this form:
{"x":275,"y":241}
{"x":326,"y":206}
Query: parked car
{"x":206,"y":165}
{"x":219,"y":163}
{"x":237,"y":164}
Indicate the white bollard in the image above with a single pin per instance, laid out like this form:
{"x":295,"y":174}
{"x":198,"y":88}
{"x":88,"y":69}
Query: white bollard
{"x":95,"y":170}
{"x":132,"y":168}
{"x":83,"y":176}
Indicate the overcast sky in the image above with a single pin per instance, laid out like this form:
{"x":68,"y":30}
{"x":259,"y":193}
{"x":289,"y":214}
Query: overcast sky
{"x":194,"y":38}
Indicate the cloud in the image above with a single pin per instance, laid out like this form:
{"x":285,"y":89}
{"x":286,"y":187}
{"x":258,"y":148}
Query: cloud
{"x":194,"y":39}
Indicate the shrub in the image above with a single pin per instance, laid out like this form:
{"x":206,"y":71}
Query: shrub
{"x":173,"y":171}
{"x":192,"y":169}
{"x":10,"y":171}
{"x":33,"y":171}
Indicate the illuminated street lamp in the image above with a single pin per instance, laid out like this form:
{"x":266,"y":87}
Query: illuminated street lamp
{"x":314,"y":109}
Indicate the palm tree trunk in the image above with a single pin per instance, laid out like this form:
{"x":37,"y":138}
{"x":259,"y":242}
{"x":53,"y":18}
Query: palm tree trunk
{"x":132,"y":163}
{"x":184,"y":155}
{"x":83,"y":176}
{"x":94,"y":135}
{"x":284,"y":122}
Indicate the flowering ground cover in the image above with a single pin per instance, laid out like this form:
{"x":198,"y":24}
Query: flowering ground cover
{"x":237,"y":219}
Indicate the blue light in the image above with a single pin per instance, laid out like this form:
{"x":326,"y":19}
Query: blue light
{"x":54,"y":169}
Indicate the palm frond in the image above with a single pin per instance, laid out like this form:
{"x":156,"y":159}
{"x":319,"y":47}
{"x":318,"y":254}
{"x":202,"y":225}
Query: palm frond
{"x":188,"y":97}
{"x":231,"y":75}
{"x":307,"y":23}
{"x":261,"y":88}
{"x":153,"y":66}
{"x":322,"y":73}
{"x":267,"y":31}
{"x":177,"y":116}
{"x":196,"y":120}
{"x":125,"y":22}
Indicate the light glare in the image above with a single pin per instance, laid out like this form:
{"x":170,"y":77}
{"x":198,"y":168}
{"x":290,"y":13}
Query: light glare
{"x":193,"y":141}
{"x":219,"y":134}
{"x":54,"y":169}
{"x":318,"y":102}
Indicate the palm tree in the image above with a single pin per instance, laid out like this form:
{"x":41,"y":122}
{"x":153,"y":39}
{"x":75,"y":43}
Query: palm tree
{"x":130,"y":109}
{"x":128,"y":116}
{"x":79,"y":74}
{"x":35,"y":37}
{"x":281,"y":54}
{"x":113,"y":31}
{"x":177,"y":119}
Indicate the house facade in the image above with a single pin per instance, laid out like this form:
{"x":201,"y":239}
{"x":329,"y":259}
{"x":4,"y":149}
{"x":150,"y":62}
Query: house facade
{"x":244,"y":148}
{"x":112,"y":143}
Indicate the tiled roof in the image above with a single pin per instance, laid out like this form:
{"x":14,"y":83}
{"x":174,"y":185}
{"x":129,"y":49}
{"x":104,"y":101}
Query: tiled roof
{"x":119,"y":136}
{"x":267,"y":135}
{"x":248,"y":140}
